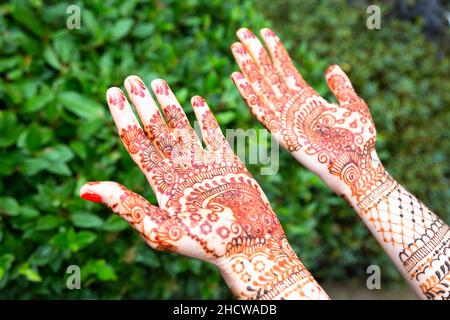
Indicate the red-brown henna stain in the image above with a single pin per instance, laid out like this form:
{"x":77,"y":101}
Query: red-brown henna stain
{"x":137,"y":87}
{"x":161,"y":87}
{"x":134,"y":138}
{"x":175,"y":117}
{"x":117,"y":98}
{"x":198,"y":101}
{"x":342,"y":139}
{"x":156,"y":126}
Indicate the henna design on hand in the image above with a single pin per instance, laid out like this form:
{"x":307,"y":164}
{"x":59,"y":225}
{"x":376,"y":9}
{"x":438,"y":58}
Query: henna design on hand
{"x":337,"y":142}
{"x":210,"y":207}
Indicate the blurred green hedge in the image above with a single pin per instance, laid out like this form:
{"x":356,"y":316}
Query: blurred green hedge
{"x":56,"y":134}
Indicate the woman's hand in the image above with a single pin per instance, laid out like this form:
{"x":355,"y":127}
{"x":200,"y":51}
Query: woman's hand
{"x":336,"y":141}
{"x":210,"y":207}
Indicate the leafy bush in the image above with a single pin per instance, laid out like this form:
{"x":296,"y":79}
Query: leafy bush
{"x":56,"y":134}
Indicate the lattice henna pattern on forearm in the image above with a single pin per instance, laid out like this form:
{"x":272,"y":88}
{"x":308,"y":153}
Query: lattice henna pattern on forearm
{"x":420,"y":239}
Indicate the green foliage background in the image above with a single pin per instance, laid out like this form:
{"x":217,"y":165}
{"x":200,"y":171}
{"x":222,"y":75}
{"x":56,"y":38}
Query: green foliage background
{"x":56,"y":134}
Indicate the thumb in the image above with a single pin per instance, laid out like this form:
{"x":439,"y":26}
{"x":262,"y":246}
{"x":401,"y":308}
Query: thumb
{"x":340,"y":85}
{"x":149,"y":220}
{"x":343,"y":90}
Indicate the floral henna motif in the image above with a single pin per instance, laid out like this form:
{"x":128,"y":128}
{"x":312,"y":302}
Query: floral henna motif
{"x":133,"y":138}
{"x":210,"y":207}
{"x":337,"y":141}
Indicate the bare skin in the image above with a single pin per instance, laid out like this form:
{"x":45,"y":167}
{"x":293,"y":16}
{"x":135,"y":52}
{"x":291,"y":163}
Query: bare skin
{"x":210,"y":207}
{"x":337,"y":142}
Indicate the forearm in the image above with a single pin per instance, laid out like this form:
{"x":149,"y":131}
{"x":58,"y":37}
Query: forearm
{"x":417,"y":241}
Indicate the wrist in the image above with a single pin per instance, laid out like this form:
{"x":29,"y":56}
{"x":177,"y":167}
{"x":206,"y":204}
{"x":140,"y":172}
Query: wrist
{"x":273,"y":274}
{"x":368,"y":186}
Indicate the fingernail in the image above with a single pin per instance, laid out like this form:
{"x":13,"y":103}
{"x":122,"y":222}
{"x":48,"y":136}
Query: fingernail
{"x":90,"y":196}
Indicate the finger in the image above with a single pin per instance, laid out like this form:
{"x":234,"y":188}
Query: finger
{"x":253,"y":75}
{"x":175,"y":116}
{"x":141,"y":150}
{"x":263,"y":61}
{"x":282,"y":61}
{"x":259,"y":109}
{"x":340,"y":84}
{"x":212,"y":135}
{"x":152,"y":120}
{"x":157,"y":227}
{"x":342,"y":89}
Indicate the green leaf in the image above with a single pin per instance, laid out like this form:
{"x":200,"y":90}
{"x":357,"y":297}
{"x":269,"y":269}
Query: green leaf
{"x":106,"y":273}
{"x":102,"y":270}
{"x":26,"y":17}
{"x":9,"y":63}
{"x":59,"y":153}
{"x":86,"y":220}
{"x":42,"y":255}
{"x":226,"y":117}
{"x":66,"y":50}
{"x":60,"y":168}
{"x":9,"y":206}
{"x":79,"y":148}
{"x":51,"y":58}
{"x":143,"y":30}
{"x":9,"y":129}
{"x":72,"y":240}
{"x":6,"y":261}
{"x":114,"y":223}
{"x":10,"y":162}
{"x":147,"y":257}
{"x":85,"y":238}
{"x":48,"y":222}
{"x":29,"y":273}
{"x":38,"y":102}
{"x":31,"y":167}
{"x":34,"y":137}
{"x":121,"y":29}
{"x":81,"y":105}
{"x":29,"y":212}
